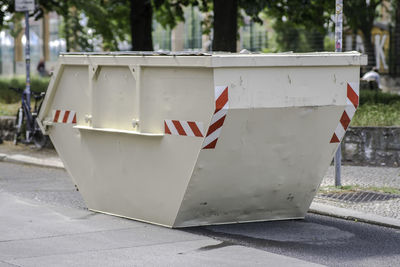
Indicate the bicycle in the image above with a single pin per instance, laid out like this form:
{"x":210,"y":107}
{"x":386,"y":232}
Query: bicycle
{"x":26,"y":120}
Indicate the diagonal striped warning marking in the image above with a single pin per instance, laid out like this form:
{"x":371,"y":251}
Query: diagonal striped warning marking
{"x":217,"y":121}
{"x":352,"y":104}
{"x":184,"y":128}
{"x":64,"y":116}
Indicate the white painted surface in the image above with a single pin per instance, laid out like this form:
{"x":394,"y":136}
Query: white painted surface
{"x":271,"y":155}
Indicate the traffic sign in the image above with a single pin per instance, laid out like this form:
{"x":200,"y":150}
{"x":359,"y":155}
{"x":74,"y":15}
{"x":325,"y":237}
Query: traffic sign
{"x":24,"y":5}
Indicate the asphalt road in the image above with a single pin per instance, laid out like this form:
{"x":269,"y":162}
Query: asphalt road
{"x":317,"y":239}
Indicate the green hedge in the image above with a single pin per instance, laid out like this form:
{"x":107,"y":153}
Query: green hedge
{"x":377,"y":97}
{"x":38,"y":84}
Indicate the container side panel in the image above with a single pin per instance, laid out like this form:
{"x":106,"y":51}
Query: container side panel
{"x":286,"y":86}
{"x":131,"y":174}
{"x":72,"y":92}
{"x":267,"y":165}
{"x":67,"y":142}
{"x":273,"y":148}
{"x":138,"y":177}
{"x":175,"y":94}
{"x":114,"y":93}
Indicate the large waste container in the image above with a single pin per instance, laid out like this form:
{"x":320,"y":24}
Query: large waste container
{"x":186,"y":140}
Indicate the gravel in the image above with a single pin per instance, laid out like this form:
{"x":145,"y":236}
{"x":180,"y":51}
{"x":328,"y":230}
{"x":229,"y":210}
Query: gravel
{"x":365,"y":177}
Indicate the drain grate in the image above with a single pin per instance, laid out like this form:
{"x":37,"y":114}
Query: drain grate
{"x":358,"y":196}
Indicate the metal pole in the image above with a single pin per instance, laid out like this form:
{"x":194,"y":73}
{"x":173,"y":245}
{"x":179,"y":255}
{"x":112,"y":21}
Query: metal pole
{"x":339,"y":26}
{"x":28,"y":73}
{"x":27,"y":60}
{"x":338,"y":48}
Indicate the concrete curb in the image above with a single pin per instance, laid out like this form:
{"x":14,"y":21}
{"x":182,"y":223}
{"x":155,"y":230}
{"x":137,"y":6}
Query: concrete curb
{"x":353,"y":215}
{"x":18,"y":158}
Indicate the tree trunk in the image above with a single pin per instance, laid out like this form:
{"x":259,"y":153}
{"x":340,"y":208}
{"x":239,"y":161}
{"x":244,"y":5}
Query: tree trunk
{"x":225,"y":25}
{"x":46,"y":36}
{"x":397,"y":41}
{"x":141,"y":25}
{"x":65,"y":15}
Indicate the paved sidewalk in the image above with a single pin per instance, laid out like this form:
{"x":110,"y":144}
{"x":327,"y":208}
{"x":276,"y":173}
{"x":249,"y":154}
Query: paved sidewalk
{"x":45,"y":223}
{"x":33,"y":234}
{"x":378,"y":212}
{"x":30,"y":155}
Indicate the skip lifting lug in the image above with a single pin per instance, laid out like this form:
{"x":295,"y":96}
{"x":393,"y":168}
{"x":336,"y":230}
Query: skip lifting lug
{"x":135,"y":123}
{"x":88,"y":118}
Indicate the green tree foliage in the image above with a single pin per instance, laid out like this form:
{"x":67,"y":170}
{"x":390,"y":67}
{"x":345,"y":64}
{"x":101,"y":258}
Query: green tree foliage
{"x":169,"y":12}
{"x":5,"y":7}
{"x":15,"y":26}
{"x":72,"y":11}
{"x":114,"y":23}
{"x":301,"y":25}
{"x":112,"y":20}
{"x":95,"y":12}
{"x":221,"y":16}
{"x":304,"y":22}
{"x":107,"y":19}
{"x":290,"y":37}
{"x":77,"y":36}
{"x":312,"y":17}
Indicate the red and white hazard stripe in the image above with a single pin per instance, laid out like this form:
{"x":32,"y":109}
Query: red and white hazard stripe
{"x":64,"y":116}
{"x":217,"y":121}
{"x":186,"y":128}
{"x":348,"y":113}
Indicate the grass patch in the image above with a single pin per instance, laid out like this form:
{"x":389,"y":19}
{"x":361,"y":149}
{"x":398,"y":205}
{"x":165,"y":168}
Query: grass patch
{"x":377,"y":109}
{"x":9,"y":109}
{"x":388,"y":190}
{"x":377,"y":115}
{"x":338,"y":189}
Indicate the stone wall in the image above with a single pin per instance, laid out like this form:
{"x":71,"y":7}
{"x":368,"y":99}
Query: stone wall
{"x":373,"y":146}
{"x":7,"y":127}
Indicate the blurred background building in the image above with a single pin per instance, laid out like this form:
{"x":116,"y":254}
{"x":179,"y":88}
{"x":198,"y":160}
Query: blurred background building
{"x":45,"y":42}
